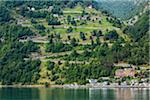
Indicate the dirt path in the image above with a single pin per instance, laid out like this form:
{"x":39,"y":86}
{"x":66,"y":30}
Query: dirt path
{"x":63,"y":61}
{"x":46,"y":55}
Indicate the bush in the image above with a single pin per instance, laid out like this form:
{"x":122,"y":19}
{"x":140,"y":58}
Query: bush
{"x":40,"y":27}
{"x":112,"y":35}
{"x":50,"y":65}
{"x":69,"y":30}
{"x":4,"y":14}
{"x":59,"y":82}
{"x":46,"y":84}
{"x":82,"y":36}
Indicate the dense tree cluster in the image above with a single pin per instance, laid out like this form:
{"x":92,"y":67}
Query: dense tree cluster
{"x":4,"y":14}
{"x":57,"y":10}
{"x":81,"y":73}
{"x":14,"y":31}
{"x":13,"y":67}
{"x":111,"y":35}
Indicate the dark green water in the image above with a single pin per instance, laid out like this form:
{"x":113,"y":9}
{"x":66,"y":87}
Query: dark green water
{"x":73,"y":94}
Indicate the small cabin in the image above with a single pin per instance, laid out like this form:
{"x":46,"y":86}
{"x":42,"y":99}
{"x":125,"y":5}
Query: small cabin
{"x":92,"y":81}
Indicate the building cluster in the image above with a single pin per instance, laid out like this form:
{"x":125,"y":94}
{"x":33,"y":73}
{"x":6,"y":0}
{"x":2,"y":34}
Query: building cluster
{"x":125,"y":72}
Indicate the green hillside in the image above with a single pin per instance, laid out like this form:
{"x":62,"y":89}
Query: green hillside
{"x":127,"y":8}
{"x":61,"y":42}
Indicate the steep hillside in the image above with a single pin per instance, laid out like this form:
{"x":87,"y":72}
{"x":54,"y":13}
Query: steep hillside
{"x":140,"y":28}
{"x":60,"y":42}
{"x":123,"y":9}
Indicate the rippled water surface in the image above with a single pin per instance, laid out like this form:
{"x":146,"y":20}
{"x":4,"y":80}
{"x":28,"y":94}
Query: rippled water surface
{"x":73,"y":94}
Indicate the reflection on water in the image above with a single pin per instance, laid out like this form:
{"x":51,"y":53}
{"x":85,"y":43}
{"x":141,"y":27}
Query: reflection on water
{"x":132,"y":94}
{"x":63,"y":94}
{"x":73,"y":94}
{"x":101,"y":94}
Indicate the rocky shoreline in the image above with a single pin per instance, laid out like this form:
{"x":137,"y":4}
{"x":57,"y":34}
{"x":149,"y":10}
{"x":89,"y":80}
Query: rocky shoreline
{"x":74,"y":86}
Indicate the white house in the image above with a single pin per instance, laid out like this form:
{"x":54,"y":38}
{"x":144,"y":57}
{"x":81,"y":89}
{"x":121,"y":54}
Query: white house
{"x":90,"y":6}
{"x":32,"y":9}
{"x":92,"y":81}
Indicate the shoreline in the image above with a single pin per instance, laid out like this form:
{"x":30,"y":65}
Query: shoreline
{"x":70,"y":86}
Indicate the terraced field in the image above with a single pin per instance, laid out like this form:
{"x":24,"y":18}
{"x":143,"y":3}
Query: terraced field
{"x":94,"y":20}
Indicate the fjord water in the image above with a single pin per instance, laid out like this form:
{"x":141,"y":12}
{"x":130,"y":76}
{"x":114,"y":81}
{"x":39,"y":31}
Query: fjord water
{"x":73,"y":94}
